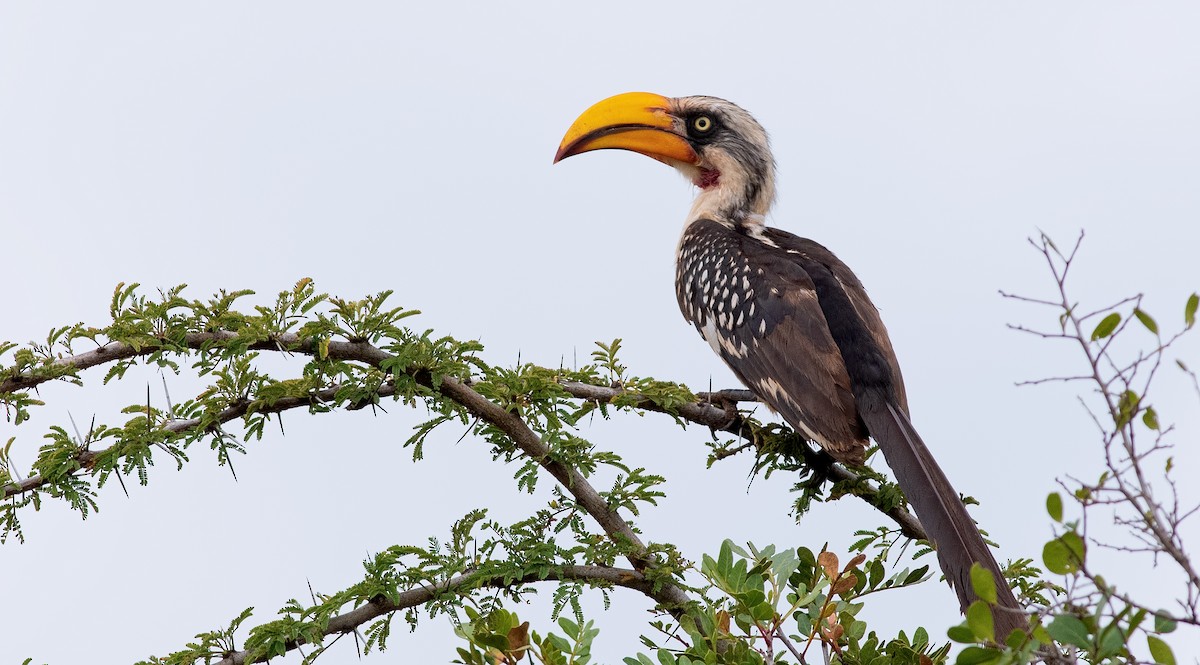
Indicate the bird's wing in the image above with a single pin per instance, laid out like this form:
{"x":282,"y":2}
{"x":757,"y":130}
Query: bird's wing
{"x":774,"y":338}
{"x":849,"y":283}
{"x":880,"y":403}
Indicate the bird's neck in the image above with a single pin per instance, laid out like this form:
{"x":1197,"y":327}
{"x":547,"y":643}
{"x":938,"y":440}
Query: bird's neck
{"x":733,"y":196}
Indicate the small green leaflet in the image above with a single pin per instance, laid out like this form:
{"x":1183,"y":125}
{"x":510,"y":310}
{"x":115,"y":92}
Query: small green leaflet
{"x":1106,"y":326}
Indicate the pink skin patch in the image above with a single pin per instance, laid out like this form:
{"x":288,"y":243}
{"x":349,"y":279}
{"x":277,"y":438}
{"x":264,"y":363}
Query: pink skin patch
{"x":708,"y":178}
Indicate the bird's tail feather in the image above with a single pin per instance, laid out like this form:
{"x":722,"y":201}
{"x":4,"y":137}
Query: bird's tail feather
{"x":940,"y":510}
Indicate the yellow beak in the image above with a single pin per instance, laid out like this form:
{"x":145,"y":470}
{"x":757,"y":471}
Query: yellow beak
{"x":637,"y":121}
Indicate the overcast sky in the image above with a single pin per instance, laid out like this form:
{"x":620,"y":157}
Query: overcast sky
{"x":374,"y":146}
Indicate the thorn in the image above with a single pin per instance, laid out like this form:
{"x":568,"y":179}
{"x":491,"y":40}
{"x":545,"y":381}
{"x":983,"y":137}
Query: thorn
{"x":469,"y":428}
{"x":122,"y":481}
{"x":12,"y":466}
{"x":79,"y":440}
{"x":170,"y":406}
{"x":225,"y":451}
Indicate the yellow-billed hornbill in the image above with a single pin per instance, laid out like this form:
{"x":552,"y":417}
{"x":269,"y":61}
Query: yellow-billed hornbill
{"x":789,"y":318}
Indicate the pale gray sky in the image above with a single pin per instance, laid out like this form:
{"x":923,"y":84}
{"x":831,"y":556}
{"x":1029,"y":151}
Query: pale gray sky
{"x":379,"y":145}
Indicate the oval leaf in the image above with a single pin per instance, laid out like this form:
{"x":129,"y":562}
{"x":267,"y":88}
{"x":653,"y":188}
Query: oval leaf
{"x":518,"y":640}
{"x":1189,"y":311}
{"x":1146,"y":320}
{"x":916,"y":575}
{"x":1160,"y":651}
{"x":1064,"y":554}
{"x":829,"y":563}
{"x":1106,"y":326}
{"x":960,"y":634}
{"x":1068,"y":629}
{"x":975,"y":656}
{"x":1054,"y":506}
{"x":875,"y":576}
{"x":979,"y":618}
{"x":1164,"y":624}
{"x":844,"y":585}
{"x":983,"y":583}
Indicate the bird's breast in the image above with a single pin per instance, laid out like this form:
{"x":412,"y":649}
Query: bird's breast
{"x":718,"y":289}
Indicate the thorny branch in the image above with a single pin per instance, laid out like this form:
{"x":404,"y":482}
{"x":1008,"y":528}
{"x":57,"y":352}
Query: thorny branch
{"x":379,"y":606}
{"x":707,"y":412}
{"x":712,"y":410}
{"x":613,"y":524}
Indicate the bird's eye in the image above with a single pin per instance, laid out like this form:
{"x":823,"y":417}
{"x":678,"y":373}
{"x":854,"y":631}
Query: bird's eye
{"x":702,"y":124}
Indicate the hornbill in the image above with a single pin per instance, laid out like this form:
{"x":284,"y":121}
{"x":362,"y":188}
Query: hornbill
{"x":789,"y":318}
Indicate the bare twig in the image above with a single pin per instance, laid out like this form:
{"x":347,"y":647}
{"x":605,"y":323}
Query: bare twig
{"x":1127,"y":487}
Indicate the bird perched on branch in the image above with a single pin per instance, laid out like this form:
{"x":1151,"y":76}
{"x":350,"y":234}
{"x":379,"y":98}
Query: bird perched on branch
{"x":789,"y":318}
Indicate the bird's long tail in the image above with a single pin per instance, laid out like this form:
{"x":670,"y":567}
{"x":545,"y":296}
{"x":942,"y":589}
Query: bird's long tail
{"x":940,"y":510}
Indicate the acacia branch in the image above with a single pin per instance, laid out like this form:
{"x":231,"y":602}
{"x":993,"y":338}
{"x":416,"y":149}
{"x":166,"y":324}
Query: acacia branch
{"x":511,"y":424}
{"x":714,"y":410}
{"x":87,"y":457}
{"x":379,"y":606}
{"x":707,"y":412}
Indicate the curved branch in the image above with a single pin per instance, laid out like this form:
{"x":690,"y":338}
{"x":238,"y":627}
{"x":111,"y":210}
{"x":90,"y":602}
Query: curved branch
{"x":511,"y":424}
{"x":378,"y":606}
{"x":87,"y":457}
{"x":712,"y":410}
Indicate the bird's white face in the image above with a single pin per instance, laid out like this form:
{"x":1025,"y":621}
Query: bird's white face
{"x":736,"y":168}
{"x":714,"y":143}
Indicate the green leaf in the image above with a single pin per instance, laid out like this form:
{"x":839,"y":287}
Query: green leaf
{"x":983,"y":583}
{"x":1068,"y":629}
{"x":979,"y":615}
{"x":1160,"y":651}
{"x":1146,"y":320}
{"x":1054,"y":506}
{"x":1150,"y":418}
{"x":960,"y":634}
{"x":1106,"y":326}
{"x":1189,"y":310}
{"x":1111,"y":641}
{"x":976,"y":656}
{"x":916,"y":575}
{"x":725,"y":558}
{"x":1064,"y":554}
{"x":762,"y":612}
{"x":569,"y":627}
{"x":1127,"y":406}
{"x":875,"y":575}
{"x":1164,"y":624}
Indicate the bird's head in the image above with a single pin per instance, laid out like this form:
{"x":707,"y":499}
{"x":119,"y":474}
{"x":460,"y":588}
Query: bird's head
{"x":714,"y":143}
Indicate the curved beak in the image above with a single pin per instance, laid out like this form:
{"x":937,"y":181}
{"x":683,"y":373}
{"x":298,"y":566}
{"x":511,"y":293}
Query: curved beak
{"x":637,"y":121}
